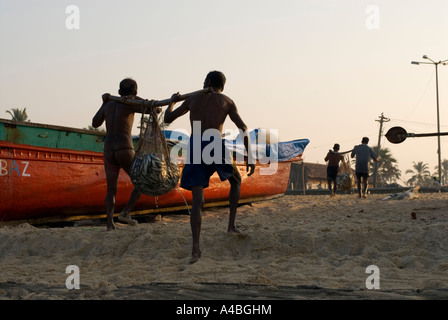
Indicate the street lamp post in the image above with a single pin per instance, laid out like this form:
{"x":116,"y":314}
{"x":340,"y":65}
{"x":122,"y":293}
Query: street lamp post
{"x":436,"y":64}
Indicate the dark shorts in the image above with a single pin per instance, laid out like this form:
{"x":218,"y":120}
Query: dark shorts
{"x":198,"y":174}
{"x":332,"y":172}
{"x":360,"y":175}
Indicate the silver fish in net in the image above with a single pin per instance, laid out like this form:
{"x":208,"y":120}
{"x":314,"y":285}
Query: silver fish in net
{"x":154,"y":176}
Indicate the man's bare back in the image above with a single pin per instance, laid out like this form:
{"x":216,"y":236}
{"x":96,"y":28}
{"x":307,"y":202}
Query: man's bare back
{"x":211,"y":109}
{"x":119,"y":121}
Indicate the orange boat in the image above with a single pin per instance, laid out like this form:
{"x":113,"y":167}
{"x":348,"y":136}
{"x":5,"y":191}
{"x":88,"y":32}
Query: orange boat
{"x":50,"y":173}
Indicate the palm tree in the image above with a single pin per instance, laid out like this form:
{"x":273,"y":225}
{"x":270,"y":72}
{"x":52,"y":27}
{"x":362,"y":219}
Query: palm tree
{"x":421,"y":175}
{"x":18,"y":115}
{"x":444,"y":171}
{"x":387,"y":168}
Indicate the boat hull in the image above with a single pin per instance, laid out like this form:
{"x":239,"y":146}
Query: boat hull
{"x":52,"y":173}
{"x":60,"y":184}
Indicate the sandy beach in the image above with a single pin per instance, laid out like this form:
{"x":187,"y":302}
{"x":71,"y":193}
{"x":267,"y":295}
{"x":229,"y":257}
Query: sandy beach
{"x":297,"y":247}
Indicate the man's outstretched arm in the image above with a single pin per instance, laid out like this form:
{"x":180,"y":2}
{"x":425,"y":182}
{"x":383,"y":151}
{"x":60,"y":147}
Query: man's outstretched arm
{"x":170,"y":114}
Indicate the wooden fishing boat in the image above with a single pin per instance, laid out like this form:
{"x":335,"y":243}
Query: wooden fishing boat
{"x":51,"y":173}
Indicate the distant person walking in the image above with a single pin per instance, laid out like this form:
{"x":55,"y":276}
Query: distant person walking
{"x":333,"y":158}
{"x":363,"y":153}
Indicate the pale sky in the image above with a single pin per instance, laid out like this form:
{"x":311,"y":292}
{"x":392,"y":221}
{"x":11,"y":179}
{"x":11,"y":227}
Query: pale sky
{"x":318,"y":69}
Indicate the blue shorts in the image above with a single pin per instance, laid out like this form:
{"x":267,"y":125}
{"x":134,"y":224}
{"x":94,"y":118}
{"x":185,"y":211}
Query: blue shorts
{"x":197,"y":173}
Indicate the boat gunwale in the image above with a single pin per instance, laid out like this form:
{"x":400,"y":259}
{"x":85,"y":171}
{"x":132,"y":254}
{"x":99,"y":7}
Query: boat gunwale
{"x":52,"y":126}
{"x":94,"y":154}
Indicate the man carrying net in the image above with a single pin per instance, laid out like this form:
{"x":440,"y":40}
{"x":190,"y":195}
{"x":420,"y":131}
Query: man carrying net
{"x":118,"y":146}
{"x":208,"y":111}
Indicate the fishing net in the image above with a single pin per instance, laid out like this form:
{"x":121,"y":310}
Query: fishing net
{"x":345,"y":181}
{"x":152,"y":171}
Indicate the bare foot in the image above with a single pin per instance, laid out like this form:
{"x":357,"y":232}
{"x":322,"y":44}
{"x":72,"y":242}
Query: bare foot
{"x":194,"y":258}
{"x":127,"y":219}
{"x":236,"y":232}
{"x":196,"y":254}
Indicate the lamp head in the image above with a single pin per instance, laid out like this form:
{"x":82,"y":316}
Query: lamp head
{"x":415,"y":62}
{"x":425,"y":57}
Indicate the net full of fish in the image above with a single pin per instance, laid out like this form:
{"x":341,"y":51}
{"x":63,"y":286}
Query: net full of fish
{"x":345,"y":181}
{"x":152,"y":171}
{"x":153,"y":175}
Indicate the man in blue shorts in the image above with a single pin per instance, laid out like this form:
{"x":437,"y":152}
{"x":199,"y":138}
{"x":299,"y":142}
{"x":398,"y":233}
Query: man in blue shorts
{"x":208,"y":111}
{"x":363,"y":154}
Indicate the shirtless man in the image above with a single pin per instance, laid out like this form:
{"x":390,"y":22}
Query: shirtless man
{"x":210,"y":110}
{"x":333,"y":158}
{"x":118,"y":147}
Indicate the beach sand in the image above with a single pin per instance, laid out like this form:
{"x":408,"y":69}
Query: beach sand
{"x":297,"y":247}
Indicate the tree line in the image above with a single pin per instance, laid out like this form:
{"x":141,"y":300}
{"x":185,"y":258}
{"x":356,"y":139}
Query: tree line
{"x":388,"y":173}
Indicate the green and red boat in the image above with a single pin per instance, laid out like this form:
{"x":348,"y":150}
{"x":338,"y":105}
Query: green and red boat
{"x":52,"y":173}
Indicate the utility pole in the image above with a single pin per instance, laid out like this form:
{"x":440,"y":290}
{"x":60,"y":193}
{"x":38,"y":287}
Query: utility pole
{"x":375,"y":168}
{"x":444,"y":62}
